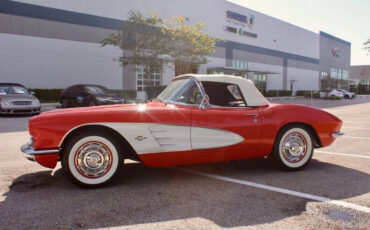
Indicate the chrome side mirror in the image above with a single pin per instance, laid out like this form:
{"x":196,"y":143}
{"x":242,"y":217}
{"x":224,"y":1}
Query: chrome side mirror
{"x":205,"y":102}
{"x":32,"y":93}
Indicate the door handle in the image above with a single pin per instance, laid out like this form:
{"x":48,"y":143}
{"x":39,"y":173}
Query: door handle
{"x":251,"y":115}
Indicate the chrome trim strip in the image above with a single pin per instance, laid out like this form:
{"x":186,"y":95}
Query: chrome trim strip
{"x":29,"y":150}
{"x":338,"y":134}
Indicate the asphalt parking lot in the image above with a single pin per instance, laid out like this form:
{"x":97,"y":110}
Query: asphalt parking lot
{"x":332,"y":192}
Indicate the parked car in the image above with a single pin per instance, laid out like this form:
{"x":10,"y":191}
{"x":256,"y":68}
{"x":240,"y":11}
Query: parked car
{"x":346,"y":94}
{"x":88,"y":95}
{"x":15,"y":99}
{"x":330,"y":93}
{"x":196,"y":119}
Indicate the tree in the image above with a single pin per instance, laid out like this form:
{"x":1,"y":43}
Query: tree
{"x":367,"y":45}
{"x":190,"y":44}
{"x":151,"y":41}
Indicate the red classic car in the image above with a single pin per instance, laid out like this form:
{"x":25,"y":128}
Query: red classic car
{"x":196,"y":119}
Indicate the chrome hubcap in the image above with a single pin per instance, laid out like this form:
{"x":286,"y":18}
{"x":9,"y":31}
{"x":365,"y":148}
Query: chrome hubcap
{"x":93,"y":160}
{"x":294,"y":147}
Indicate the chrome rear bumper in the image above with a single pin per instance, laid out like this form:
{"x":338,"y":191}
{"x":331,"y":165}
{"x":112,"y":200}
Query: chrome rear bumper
{"x":338,"y":134}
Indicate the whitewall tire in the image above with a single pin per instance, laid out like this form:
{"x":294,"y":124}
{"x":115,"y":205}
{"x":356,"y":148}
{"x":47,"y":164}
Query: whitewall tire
{"x":293,"y":147}
{"x":91,"y":160}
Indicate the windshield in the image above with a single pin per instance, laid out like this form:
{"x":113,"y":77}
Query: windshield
{"x":95,"y":90}
{"x":183,"y":91}
{"x":12,"y":89}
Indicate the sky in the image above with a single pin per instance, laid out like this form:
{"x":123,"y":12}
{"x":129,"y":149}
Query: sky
{"x":346,"y":19}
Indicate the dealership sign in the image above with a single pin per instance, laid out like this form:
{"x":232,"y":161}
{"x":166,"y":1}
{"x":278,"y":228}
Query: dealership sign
{"x":336,"y":53}
{"x":240,"y":20}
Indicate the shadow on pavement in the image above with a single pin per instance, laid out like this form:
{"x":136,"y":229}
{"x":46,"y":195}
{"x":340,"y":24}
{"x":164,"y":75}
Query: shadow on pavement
{"x":140,"y":195}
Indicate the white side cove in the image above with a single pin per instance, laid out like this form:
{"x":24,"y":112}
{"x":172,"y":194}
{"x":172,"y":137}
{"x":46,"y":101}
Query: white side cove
{"x":157,"y":138}
{"x":204,"y":138}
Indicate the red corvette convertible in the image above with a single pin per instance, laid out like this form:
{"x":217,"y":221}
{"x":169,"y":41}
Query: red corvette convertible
{"x":196,"y":119}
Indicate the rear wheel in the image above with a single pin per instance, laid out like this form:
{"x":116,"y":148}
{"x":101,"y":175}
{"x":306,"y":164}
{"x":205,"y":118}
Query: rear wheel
{"x":346,"y":96}
{"x":293,"y":147}
{"x":91,"y":160}
{"x":92,"y":103}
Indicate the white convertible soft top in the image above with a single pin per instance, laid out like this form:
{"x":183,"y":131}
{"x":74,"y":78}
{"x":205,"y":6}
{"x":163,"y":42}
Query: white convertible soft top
{"x":251,"y":94}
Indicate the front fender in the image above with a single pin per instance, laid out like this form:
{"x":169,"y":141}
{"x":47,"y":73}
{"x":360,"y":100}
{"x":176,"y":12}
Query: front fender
{"x":276,"y":116}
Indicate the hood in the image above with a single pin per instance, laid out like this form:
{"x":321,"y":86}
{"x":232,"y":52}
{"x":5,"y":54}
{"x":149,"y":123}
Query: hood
{"x":14,"y":97}
{"x":67,"y":118}
{"x":93,"y":109}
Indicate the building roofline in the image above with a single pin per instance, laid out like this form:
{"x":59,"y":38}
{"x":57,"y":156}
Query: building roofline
{"x":332,"y":37}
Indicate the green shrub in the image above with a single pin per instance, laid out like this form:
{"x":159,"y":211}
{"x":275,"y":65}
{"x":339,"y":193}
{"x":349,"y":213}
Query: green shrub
{"x":47,"y":95}
{"x":314,"y":94}
{"x":153,"y":91}
{"x":333,"y":97}
{"x":278,"y":93}
{"x":127,"y":94}
{"x":302,"y":92}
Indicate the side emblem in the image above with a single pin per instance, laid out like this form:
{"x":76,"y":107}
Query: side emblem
{"x":140,"y":138}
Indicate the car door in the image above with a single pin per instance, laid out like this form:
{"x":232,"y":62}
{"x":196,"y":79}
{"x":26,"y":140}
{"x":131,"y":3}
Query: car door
{"x":227,"y":122}
{"x":216,"y":127}
{"x":77,"y":95}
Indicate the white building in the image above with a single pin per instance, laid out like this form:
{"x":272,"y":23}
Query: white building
{"x":55,"y":44}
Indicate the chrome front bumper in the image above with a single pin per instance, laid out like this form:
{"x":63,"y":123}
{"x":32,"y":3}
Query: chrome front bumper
{"x":30,"y":152}
{"x":338,"y":134}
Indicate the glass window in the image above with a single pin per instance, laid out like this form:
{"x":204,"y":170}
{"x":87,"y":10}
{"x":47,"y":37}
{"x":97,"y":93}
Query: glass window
{"x":260,"y":81}
{"x":223,"y":94}
{"x":94,"y":90}
{"x":345,"y":74}
{"x":339,"y":74}
{"x":184,"y":91}
{"x":334,"y":73}
{"x":324,"y":75}
{"x":146,"y":76}
{"x":242,"y":65}
{"x":13,"y":89}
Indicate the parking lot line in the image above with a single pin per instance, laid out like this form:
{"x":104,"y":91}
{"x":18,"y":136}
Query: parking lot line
{"x":351,"y":137}
{"x":360,"y":115}
{"x":280,"y":190}
{"x":343,"y":154}
{"x":347,"y":127}
{"x":360,"y":122}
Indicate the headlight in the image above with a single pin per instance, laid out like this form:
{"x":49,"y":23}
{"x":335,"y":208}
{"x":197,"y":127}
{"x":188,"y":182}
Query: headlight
{"x":5,"y":103}
{"x":36,"y":102}
{"x":101,"y":99}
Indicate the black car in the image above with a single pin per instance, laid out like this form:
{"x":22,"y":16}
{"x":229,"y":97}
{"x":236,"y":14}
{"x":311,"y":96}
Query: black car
{"x":88,"y":95}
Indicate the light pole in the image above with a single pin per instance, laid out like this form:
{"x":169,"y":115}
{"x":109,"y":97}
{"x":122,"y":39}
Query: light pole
{"x":292,"y":85}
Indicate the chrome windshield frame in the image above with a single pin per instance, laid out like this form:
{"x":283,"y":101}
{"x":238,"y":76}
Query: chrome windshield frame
{"x":199,"y":85}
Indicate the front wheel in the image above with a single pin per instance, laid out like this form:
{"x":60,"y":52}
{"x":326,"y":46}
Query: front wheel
{"x":92,"y":103}
{"x":293,"y":148}
{"x":91,"y":160}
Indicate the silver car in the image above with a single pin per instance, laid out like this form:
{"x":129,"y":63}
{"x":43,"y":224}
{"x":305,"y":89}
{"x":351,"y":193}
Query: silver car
{"x":15,"y":99}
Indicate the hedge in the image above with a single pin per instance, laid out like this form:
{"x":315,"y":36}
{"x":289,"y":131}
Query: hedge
{"x":314,"y":94}
{"x":127,"y":94}
{"x":278,"y":93}
{"x":303,"y":92}
{"x":153,"y":91}
{"x":47,"y":95}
